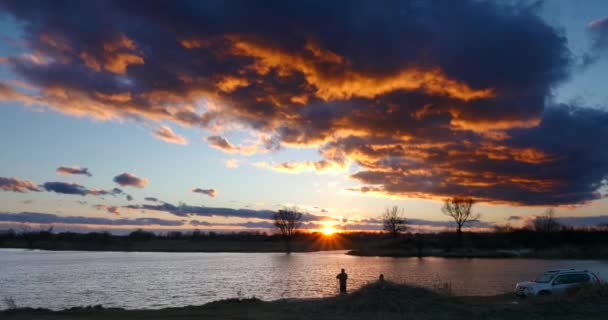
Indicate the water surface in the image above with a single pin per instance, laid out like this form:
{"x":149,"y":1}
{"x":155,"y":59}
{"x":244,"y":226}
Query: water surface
{"x":62,"y":279}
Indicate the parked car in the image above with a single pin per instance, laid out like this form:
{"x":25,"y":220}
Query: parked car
{"x":555,"y":282}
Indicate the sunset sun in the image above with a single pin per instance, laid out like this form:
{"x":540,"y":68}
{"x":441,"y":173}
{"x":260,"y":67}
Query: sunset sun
{"x":328,"y":230}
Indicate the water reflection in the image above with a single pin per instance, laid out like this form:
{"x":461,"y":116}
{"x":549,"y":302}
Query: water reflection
{"x":155,"y":280}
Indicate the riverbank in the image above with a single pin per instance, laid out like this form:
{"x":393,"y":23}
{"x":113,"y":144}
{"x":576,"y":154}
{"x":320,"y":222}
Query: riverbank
{"x":374,"y":301}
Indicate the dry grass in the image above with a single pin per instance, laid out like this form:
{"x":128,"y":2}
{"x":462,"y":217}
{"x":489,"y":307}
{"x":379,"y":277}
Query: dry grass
{"x":379,"y":300}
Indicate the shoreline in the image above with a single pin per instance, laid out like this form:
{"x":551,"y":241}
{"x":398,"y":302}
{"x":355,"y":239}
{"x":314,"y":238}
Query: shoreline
{"x":390,"y":253}
{"x":377,"y":300}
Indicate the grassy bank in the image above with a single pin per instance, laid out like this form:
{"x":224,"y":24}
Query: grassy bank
{"x":375,"y":301}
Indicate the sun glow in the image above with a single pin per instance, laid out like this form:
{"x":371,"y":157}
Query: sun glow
{"x":328,"y":230}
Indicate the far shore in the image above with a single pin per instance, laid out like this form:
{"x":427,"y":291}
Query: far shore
{"x":380,"y":300}
{"x":565,"y":244}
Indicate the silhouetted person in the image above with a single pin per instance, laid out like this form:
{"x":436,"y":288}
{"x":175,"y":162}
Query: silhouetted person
{"x":381,"y":281}
{"x":342,"y":276}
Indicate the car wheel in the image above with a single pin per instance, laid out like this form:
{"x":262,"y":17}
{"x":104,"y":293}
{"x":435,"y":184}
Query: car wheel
{"x":544,"y":293}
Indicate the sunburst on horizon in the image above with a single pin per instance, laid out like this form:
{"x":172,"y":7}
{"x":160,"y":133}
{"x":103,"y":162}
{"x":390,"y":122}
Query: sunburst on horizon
{"x":329,"y":230}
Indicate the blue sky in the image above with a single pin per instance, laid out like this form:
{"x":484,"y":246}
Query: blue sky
{"x":39,"y":138}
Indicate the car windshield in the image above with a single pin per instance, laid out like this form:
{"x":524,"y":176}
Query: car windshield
{"x":545,"y":277}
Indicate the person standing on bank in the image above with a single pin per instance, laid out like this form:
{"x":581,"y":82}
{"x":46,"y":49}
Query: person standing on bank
{"x":342,"y":276}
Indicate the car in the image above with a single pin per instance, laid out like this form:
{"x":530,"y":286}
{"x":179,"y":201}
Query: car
{"x":555,"y":282}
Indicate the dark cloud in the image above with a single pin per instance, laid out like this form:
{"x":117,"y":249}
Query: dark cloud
{"x":66,"y":188}
{"x":46,"y":218}
{"x":184,"y":210}
{"x":17,"y":185}
{"x":198,"y":223}
{"x":423,"y":103}
{"x":589,"y":221}
{"x":152,"y":199}
{"x":50,"y":219}
{"x":129,"y":179}
{"x":77,"y":189}
{"x":210,"y":192}
{"x":514,"y":218}
{"x":111,"y":209}
{"x":67,"y":170}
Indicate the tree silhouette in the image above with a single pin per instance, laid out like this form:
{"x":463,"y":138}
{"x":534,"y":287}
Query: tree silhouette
{"x":546,"y":222}
{"x":394,"y":222}
{"x":459,"y":208}
{"x":287,"y":221}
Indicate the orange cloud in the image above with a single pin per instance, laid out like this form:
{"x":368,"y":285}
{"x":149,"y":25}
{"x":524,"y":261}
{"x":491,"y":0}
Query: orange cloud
{"x":344,"y":82}
{"x":223,"y":144}
{"x":321,"y":166}
{"x":17,"y":185}
{"x":115,"y":57}
{"x":483,"y":126}
{"x":165,"y":133}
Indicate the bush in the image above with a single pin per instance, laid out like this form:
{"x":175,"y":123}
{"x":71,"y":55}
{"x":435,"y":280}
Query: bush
{"x":9,"y":303}
{"x":593,"y":290}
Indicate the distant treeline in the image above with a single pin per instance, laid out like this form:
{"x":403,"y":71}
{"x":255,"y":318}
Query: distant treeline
{"x":566,"y":242}
{"x":142,"y":240}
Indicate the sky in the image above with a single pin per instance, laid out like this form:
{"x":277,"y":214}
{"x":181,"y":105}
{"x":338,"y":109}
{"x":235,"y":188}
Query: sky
{"x":171,"y":115}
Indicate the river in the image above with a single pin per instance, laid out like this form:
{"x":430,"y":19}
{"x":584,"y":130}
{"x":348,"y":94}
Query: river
{"x":63,"y":279}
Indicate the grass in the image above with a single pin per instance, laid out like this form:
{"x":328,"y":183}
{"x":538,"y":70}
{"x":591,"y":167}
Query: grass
{"x":375,"y":301}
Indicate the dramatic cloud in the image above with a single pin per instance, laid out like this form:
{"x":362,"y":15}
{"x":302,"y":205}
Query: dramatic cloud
{"x":423,"y":104}
{"x":66,"y":170}
{"x":166,"y":133}
{"x":152,"y":199}
{"x":17,"y":185}
{"x":129,"y":179}
{"x":210,"y":192}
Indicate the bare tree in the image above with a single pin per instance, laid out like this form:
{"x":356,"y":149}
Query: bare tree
{"x":546,"y":222}
{"x":394,"y":221}
{"x":459,"y":208}
{"x":287,"y":221}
